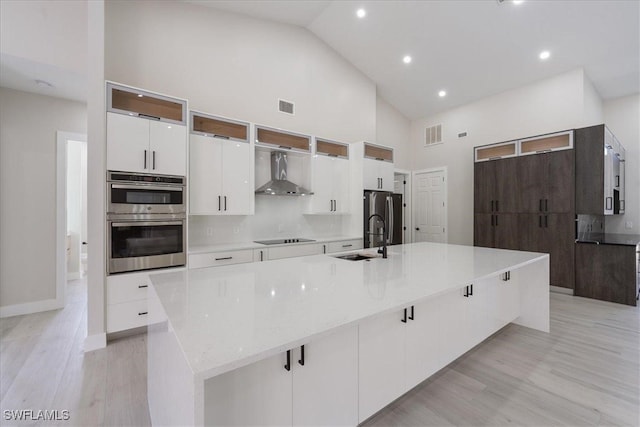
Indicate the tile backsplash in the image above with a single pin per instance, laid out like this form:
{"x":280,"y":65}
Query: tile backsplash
{"x":275,"y":217}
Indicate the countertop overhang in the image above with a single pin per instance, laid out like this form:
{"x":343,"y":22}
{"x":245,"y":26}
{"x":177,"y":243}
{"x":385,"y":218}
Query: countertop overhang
{"x":228,"y":317}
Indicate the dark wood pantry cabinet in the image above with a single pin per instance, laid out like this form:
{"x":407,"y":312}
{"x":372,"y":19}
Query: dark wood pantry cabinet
{"x":526,"y":203}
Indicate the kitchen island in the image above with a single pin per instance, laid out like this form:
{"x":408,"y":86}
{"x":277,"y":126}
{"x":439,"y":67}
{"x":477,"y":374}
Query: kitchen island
{"x":321,"y":340}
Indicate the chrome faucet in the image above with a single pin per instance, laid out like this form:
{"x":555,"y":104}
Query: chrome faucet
{"x":383,"y":249}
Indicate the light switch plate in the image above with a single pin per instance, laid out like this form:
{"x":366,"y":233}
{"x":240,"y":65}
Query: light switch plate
{"x":628,"y":224}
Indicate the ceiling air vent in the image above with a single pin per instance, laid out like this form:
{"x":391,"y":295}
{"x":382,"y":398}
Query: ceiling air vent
{"x":285,"y":106}
{"x":433,"y":135}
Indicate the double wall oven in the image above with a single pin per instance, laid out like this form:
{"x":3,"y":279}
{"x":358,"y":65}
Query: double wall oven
{"x":146,"y":221}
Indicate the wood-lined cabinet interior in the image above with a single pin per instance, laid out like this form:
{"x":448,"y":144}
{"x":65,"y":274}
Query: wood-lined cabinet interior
{"x":526,"y":202}
{"x":282,"y":140}
{"x":146,"y":132}
{"x":329,"y":178}
{"x":221,"y":161}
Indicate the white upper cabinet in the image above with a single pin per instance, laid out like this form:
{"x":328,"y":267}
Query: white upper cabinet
{"x":221,"y":167}
{"x":330,"y":178}
{"x":378,"y":167}
{"x":146,"y":132}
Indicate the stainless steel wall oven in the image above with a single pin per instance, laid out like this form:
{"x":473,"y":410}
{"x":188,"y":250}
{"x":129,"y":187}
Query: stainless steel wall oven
{"x":146,"y":222}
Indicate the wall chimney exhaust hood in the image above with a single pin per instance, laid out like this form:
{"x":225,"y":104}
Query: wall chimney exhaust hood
{"x":279,"y":184}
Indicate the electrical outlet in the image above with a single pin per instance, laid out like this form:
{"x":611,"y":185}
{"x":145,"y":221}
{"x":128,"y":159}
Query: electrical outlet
{"x":628,"y":225}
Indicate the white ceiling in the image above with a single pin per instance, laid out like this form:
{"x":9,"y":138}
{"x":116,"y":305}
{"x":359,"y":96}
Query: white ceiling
{"x":470,"y":48}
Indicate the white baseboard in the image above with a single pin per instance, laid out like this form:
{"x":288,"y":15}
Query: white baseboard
{"x":30,"y":307}
{"x":561,"y":290}
{"x":95,"y":342}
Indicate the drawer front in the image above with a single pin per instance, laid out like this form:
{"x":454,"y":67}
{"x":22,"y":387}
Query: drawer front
{"x":344,"y":245}
{"x":128,"y":315}
{"x":214,"y":259}
{"x":127,"y":287}
{"x":295,"y":251}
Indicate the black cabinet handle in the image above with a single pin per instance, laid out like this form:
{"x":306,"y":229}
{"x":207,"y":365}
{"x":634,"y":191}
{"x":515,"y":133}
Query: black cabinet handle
{"x":492,"y":206}
{"x":225,"y":203}
{"x":492,"y":220}
{"x":224,"y":258}
{"x":301,"y":361}
{"x":506,"y":276}
{"x":142,"y":313}
{"x":145,"y":159}
{"x":142,"y":286}
{"x":261,"y":255}
{"x":497,"y":205}
{"x":154,"y":159}
{"x":346,"y":246}
{"x":540,"y":205}
{"x":219,"y":202}
{"x":546,"y":221}
{"x":471,"y":293}
{"x":324,"y":249}
{"x":496,"y":220}
{"x":288,"y":365}
{"x":466,"y":292}
{"x":411,"y":316}
{"x":546,"y":205}
{"x":617,"y":180}
{"x":404,"y":319}
{"x":540,"y":221}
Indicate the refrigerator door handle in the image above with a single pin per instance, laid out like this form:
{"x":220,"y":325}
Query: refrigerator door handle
{"x":389,"y":219}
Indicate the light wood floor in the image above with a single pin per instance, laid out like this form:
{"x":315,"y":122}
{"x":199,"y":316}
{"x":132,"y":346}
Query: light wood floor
{"x":585,"y":372}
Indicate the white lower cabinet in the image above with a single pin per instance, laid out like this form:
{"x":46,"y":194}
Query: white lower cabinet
{"x":381,"y":353}
{"x":503,"y":300}
{"x":344,"y":245}
{"x":453,"y":319}
{"x":397,"y":351}
{"x":321,"y":389}
{"x":213,"y":259}
{"x":127,"y":301}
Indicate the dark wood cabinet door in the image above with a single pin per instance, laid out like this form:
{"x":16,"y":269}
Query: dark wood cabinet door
{"x":560,"y":194}
{"x":506,"y":185}
{"x":531,"y":236}
{"x":531,"y":176}
{"x":505,"y":231}
{"x":559,"y":234}
{"x":483,"y":230}
{"x":483,"y":186}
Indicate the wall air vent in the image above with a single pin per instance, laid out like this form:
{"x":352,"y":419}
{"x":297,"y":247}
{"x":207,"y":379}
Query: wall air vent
{"x":285,"y":106}
{"x":433,"y":135}
{"x":462,"y":134}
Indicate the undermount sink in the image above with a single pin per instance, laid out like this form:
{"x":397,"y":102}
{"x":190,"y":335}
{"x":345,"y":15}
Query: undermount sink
{"x":355,"y":257}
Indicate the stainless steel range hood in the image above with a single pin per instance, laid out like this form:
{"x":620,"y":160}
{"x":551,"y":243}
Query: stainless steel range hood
{"x":279,"y":184}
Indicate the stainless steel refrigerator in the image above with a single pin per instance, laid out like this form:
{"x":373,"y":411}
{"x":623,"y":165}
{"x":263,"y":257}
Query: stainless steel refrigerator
{"x":388,"y":206}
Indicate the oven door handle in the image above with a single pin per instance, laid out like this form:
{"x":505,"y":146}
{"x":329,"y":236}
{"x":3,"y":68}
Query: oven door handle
{"x":145,"y":223}
{"x":146,"y":187}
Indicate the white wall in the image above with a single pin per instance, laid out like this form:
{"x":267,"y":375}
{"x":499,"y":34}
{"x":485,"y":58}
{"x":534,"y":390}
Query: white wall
{"x":28,"y":125}
{"x":237,"y":66}
{"x":393,"y":130}
{"x":550,"y":105}
{"x":622,"y":116}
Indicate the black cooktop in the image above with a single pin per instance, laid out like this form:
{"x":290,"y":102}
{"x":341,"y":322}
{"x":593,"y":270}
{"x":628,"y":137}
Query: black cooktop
{"x":284,"y":241}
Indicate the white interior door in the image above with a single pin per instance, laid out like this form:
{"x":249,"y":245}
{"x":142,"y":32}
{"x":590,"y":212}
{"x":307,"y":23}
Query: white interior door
{"x":429,"y":208}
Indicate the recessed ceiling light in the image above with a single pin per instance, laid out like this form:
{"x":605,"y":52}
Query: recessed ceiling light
{"x":518,"y":1}
{"x":442,"y":93}
{"x":406,"y":59}
{"x":545,"y":54}
{"x":140,"y":95}
{"x":43,"y":83}
{"x":361,"y":13}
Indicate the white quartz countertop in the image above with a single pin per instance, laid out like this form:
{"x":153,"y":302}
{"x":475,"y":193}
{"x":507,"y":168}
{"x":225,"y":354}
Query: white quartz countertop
{"x":231,"y":316}
{"x":253,"y":245}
